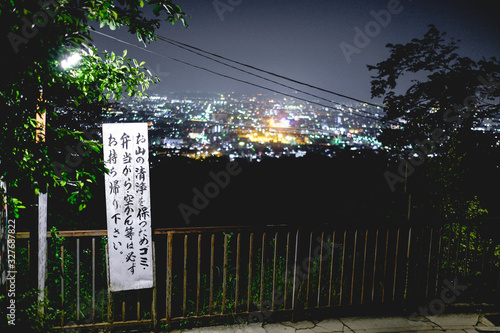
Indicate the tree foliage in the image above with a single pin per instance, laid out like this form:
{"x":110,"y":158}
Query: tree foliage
{"x":37,"y":37}
{"x":447,"y":92}
{"x":436,"y":103}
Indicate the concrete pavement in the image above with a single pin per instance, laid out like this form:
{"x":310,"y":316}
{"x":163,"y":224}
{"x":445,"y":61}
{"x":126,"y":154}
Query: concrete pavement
{"x":451,"y":323}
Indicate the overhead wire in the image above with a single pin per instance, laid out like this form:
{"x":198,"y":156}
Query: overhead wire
{"x":172,"y":41}
{"x":259,"y":76}
{"x":230,"y":77}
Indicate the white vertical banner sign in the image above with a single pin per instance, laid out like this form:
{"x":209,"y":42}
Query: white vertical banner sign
{"x":128,"y":209}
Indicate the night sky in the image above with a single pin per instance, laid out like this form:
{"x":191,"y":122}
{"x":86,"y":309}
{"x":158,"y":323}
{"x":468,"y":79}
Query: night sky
{"x":301,"y":39}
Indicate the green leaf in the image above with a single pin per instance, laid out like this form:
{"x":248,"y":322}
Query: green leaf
{"x":156,"y":10}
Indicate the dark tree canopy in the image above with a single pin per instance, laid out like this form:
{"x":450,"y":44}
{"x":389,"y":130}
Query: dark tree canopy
{"x":447,"y":92}
{"x":434,"y":124}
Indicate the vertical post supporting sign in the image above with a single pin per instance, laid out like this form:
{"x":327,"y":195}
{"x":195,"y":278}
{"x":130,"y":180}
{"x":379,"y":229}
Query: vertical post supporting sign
{"x":128,"y":209}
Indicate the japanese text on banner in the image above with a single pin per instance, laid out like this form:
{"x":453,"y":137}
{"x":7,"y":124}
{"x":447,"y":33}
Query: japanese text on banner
{"x":128,"y":210}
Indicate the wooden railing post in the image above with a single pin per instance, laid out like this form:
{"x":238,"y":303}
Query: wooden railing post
{"x":295,"y":269}
{"x":262,"y":271}
{"x":78,"y":280}
{"x":237,"y":278}
{"x":110,"y":308}
{"x":249,"y":281}
{"x":353,"y":264}
{"x":168,"y":300}
{"x":212,"y":263}
{"x":198,"y":277}
{"x":224,"y":274}
{"x":309,"y":259}
{"x":342,"y":269}
{"x":408,"y":262}
{"x":184,"y":280}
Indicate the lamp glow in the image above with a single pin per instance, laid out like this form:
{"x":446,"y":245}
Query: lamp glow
{"x":71,"y":61}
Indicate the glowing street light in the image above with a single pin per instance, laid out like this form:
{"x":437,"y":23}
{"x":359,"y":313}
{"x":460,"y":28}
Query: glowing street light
{"x":71,"y":61}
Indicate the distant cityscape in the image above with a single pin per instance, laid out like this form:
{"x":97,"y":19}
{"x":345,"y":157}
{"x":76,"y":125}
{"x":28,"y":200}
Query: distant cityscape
{"x":253,"y":127}
{"x":249,"y":126}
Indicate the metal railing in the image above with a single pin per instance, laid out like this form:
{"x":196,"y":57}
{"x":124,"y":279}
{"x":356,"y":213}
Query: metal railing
{"x":77,"y":285}
{"x":242,"y":274}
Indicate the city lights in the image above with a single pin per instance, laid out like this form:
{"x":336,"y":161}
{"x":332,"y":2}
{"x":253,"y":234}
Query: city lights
{"x":249,"y":127}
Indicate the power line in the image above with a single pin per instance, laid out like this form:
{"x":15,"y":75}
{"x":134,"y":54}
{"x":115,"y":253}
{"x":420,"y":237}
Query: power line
{"x":172,"y":41}
{"x":227,"y":76}
{"x":258,"y":76}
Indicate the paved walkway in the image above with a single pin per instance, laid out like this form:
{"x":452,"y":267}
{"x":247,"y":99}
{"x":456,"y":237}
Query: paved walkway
{"x":452,"y":323}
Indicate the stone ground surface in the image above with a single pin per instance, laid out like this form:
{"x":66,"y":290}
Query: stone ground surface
{"x":451,"y":323}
